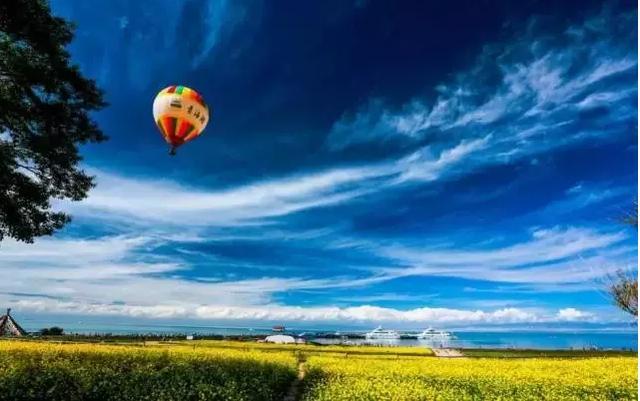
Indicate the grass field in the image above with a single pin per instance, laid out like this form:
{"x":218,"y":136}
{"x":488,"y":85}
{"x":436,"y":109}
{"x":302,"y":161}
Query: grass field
{"x":228,"y":370}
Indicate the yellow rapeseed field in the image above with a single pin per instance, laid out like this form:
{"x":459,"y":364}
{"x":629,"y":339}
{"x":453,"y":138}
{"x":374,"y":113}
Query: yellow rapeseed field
{"x":342,"y":350}
{"x":225,"y":370}
{"x":336,"y":379}
{"x":73,"y":372}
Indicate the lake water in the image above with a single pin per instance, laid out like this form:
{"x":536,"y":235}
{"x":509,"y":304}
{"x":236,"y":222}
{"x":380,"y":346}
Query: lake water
{"x":523,"y":340}
{"x":462,"y":339}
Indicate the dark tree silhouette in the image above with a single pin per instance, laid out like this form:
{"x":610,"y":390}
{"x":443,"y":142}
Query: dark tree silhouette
{"x":44,"y":116}
{"x":52,"y":331}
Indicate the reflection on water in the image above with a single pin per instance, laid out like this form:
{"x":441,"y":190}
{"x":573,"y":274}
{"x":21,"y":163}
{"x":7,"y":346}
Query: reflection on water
{"x":522,"y":340}
{"x":430,"y":343}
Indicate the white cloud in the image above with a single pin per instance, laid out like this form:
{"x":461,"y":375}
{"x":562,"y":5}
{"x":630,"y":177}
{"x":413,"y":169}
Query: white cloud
{"x":271,"y":312}
{"x":126,"y":270}
{"x":572,"y":314}
{"x":113,"y":276}
{"x":545,"y":245}
{"x":424,"y":166}
{"x":70,"y":251}
{"x":137,"y":200}
{"x":571,"y":255}
{"x":371,"y":121}
{"x":546,"y":83}
{"x":169,"y":202}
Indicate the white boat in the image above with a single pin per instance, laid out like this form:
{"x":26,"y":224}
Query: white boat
{"x":381,"y":334}
{"x":430,"y":333}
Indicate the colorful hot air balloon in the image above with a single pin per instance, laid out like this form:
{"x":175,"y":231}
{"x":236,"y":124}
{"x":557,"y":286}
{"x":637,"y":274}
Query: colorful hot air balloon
{"x":181,"y":115}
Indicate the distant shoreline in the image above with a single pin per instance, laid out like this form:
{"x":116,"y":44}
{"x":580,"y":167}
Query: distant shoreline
{"x":340,"y":340}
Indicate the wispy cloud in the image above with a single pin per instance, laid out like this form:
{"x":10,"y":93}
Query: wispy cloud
{"x":385,"y":297}
{"x":138,"y":199}
{"x":116,"y":269}
{"x":545,"y":245}
{"x":111,"y":276}
{"x":548,"y":87}
{"x":572,"y":255}
{"x":70,"y":251}
{"x":551,"y":91}
{"x":220,"y":17}
{"x":587,"y":196}
{"x":520,"y":99}
{"x":136,"y":48}
{"x":170,"y":202}
{"x":134,"y":271}
{"x":423,"y":165}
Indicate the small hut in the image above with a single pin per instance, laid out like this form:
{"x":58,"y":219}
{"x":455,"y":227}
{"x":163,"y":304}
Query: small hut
{"x":9,"y":327}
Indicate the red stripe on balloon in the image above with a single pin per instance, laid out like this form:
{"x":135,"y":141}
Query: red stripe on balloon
{"x":184,"y":128}
{"x":169,"y":124}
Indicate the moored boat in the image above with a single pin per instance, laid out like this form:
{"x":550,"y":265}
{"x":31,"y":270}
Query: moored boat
{"x":430,"y":333}
{"x":382,"y":334}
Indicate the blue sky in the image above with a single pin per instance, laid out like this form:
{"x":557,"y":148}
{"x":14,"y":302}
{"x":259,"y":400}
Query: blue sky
{"x":455,"y":164}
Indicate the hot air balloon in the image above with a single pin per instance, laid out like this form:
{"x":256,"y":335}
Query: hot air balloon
{"x":181,"y":115}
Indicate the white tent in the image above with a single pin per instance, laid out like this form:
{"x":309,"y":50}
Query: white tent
{"x":280,"y":339}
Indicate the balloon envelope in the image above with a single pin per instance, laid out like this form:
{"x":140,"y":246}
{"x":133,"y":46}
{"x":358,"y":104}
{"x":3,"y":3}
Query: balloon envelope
{"x":180,"y":114}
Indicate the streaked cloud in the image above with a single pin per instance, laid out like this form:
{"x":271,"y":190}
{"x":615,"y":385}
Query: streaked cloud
{"x":167,"y":201}
{"x":572,"y":255}
{"x":124,"y":275}
{"x":220,"y":17}
{"x":547,"y":87}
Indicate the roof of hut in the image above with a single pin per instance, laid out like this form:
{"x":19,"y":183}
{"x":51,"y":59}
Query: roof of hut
{"x":9,"y":327}
{"x":280,"y":339}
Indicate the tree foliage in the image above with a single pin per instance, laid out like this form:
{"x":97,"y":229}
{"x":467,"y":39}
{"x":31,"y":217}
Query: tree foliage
{"x":44,"y":116}
{"x":624,"y":291}
{"x":623,"y":287}
{"x":52,"y":331}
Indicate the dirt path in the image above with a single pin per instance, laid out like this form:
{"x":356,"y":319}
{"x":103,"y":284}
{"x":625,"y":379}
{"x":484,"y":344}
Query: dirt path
{"x":294,"y":390}
{"x":447,"y":353}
